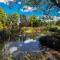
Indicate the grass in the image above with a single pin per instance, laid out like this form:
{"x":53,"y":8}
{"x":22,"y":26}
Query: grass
{"x":57,"y":27}
{"x":32,"y":30}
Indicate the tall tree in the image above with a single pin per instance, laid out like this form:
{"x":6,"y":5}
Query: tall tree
{"x":2,"y":16}
{"x":12,"y":19}
{"x":32,"y":19}
{"x":23,"y":20}
{"x":2,"y":20}
{"x":12,"y":23}
{"x":2,"y":25}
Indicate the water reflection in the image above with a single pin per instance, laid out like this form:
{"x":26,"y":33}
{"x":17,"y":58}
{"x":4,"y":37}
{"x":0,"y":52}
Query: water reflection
{"x":29,"y":50}
{"x":28,"y":45}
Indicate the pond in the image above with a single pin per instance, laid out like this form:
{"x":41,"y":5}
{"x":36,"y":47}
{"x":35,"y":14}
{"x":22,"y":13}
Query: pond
{"x":29,"y":50}
{"x":29,"y":45}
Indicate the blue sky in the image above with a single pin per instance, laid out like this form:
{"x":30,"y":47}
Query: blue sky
{"x":32,"y":11}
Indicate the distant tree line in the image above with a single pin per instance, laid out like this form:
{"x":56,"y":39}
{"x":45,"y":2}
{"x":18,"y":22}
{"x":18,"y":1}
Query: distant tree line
{"x":10,"y":25}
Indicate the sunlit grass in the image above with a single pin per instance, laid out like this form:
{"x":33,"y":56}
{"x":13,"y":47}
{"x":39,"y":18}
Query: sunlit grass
{"x":57,"y":27}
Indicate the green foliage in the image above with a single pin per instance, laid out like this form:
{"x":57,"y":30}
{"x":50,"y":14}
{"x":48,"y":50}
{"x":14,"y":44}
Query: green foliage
{"x":8,"y":25}
{"x":15,"y":18}
{"x":40,"y":22}
{"x":58,"y":22}
{"x":1,"y":26}
{"x":12,"y":24}
{"x":2,"y":16}
{"x":12,"y":18}
{"x":32,"y":19}
{"x":2,"y":20}
{"x":23,"y":20}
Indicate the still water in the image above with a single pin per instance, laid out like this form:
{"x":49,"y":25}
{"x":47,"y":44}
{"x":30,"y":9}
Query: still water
{"x":29,"y":50}
{"x":29,"y":45}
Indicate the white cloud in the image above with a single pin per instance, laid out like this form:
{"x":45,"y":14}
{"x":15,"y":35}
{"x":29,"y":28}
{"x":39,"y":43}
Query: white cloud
{"x":57,"y":17}
{"x":11,"y":0}
{"x":19,"y":2}
{"x":59,"y":12}
{"x":27,"y":9}
{"x":5,"y":1}
{"x":2,"y":1}
{"x":22,"y":10}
